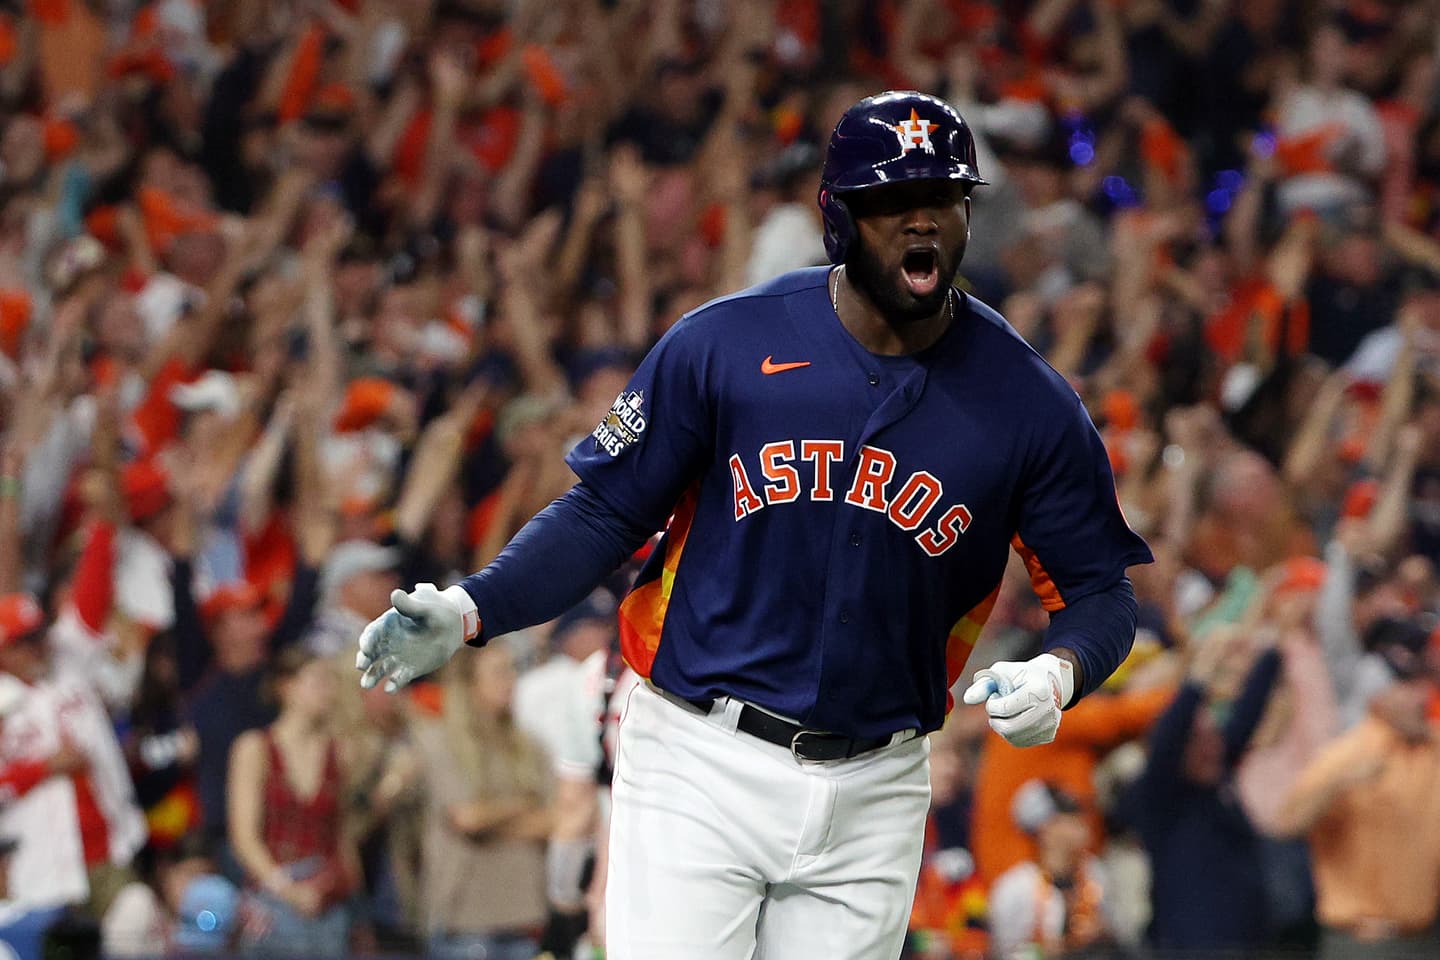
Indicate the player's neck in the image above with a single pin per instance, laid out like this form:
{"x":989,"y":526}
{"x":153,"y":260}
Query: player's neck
{"x":879,"y":333}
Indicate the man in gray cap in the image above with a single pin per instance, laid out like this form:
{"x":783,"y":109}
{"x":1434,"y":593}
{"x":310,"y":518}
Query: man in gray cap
{"x":355,"y":588}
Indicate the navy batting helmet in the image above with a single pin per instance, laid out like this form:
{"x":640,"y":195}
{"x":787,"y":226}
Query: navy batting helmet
{"x":894,"y":136}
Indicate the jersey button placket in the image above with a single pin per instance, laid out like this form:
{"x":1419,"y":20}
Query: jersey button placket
{"x":874,"y":379}
{"x":854,"y":539}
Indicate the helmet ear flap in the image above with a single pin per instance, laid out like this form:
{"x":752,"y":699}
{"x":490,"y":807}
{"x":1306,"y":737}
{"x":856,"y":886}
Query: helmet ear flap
{"x":839,"y":226}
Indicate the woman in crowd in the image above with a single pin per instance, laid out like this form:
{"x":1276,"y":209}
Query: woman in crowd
{"x":287,"y":824}
{"x":487,"y":815}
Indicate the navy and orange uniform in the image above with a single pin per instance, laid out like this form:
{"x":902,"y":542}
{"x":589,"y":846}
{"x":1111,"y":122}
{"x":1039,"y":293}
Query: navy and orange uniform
{"x":836,"y":527}
{"x":839,"y":521}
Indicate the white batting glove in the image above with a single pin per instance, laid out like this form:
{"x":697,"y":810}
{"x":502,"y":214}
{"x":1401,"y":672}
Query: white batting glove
{"x":416,"y":636}
{"x":1024,"y":699}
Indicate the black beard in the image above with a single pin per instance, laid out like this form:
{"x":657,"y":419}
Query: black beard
{"x":894,"y":302}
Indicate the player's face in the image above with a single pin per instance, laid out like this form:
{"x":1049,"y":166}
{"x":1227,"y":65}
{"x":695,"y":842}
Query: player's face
{"x":910,"y":238}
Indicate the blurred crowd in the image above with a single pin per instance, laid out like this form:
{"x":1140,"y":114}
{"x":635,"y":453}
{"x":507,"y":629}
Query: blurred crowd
{"x":304,"y":300}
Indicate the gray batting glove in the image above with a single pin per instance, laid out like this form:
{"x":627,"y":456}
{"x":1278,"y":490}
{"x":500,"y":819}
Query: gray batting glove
{"x":416,"y":636}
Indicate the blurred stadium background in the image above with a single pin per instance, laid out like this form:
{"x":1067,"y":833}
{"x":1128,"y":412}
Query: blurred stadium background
{"x":301,"y":301}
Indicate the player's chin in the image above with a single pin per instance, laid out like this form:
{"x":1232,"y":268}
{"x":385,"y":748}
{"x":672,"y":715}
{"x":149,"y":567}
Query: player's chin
{"x":922,"y":299}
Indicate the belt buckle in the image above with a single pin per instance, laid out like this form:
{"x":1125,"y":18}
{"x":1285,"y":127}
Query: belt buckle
{"x":797,"y":744}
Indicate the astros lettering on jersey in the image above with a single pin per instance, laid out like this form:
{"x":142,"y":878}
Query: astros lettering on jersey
{"x":874,"y":470}
{"x":871,"y":502}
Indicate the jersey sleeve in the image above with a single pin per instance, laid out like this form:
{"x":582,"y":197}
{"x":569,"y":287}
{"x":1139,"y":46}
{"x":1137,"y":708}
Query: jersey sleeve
{"x":1071,"y":534}
{"x":658,"y":434}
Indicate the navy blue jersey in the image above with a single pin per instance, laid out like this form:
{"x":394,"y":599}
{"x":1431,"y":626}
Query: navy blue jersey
{"x":839,"y":522}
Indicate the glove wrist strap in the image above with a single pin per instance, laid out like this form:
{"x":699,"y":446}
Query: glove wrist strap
{"x":460,"y":598}
{"x":1064,"y":673}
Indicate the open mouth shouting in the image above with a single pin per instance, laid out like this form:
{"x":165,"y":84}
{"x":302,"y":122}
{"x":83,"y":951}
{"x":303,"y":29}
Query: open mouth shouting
{"x":920,"y":269}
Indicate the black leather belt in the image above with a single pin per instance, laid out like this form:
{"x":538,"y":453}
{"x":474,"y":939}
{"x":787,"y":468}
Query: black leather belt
{"x":803,"y":743}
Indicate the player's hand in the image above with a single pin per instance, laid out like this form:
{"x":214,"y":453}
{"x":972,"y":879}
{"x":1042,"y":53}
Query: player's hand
{"x":416,"y":636}
{"x":1024,"y":699}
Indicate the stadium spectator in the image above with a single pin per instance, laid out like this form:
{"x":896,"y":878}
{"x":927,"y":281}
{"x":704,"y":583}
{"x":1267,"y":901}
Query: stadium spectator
{"x":1329,"y":137}
{"x":1095,"y":727}
{"x":189,"y":909}
{"x":1207,"y":888}
{"x":1360,"y":805}
{"x":18,"y":777}
{"x":289,"y":826}
{"x":488,"y":812}
{"x":559,"y":703}
{"x":1054,"y":904}
{"x":94,"y":640}
{"x":386,"y":803}
{"x":790,"y":235}
{"x":948,"y":921}
{"x":79,"y":830}
{"x":225,"y":645}
{"x":356,"y":582}
{"x":162,"y":749}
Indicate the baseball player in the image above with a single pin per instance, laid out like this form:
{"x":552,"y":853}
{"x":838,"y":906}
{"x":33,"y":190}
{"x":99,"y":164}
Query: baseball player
{"x":845,"y":456}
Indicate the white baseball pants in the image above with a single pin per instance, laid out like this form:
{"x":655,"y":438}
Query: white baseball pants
{"x":725,"y":847}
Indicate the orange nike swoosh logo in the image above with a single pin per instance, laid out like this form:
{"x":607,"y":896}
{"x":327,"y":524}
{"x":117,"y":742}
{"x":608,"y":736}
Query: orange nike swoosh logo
{"x":769,"y":366}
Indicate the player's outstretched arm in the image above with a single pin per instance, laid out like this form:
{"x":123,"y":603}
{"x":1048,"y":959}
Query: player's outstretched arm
{"x":551,"y":564}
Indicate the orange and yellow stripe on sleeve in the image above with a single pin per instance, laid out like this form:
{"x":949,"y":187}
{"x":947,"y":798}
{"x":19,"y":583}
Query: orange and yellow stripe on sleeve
{"x":1040,"y":581}
{"x":642,"y":612}
{"x":961,"y":642}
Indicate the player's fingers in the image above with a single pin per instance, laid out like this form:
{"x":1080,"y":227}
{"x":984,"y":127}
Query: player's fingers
{"x":1018,"y":738}
{"x":375,"y":671}
{"x":1032,"y":736}
{"x":402,"y":675}
{"x":1030,"y":728}
{"x":1009,"y":725}
{"x":1016,"y":730}
{"x":369,"y":644}
{"x":983,"y":687}
{"x":1011,"y":704}
{"x":407,"y":604}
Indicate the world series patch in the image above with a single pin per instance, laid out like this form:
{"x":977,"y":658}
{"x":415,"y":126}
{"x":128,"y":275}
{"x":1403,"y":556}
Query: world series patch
{"x":623,"y":425}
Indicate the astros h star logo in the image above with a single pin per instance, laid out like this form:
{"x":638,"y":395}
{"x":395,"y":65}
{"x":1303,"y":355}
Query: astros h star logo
{"x":915,"y":132}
